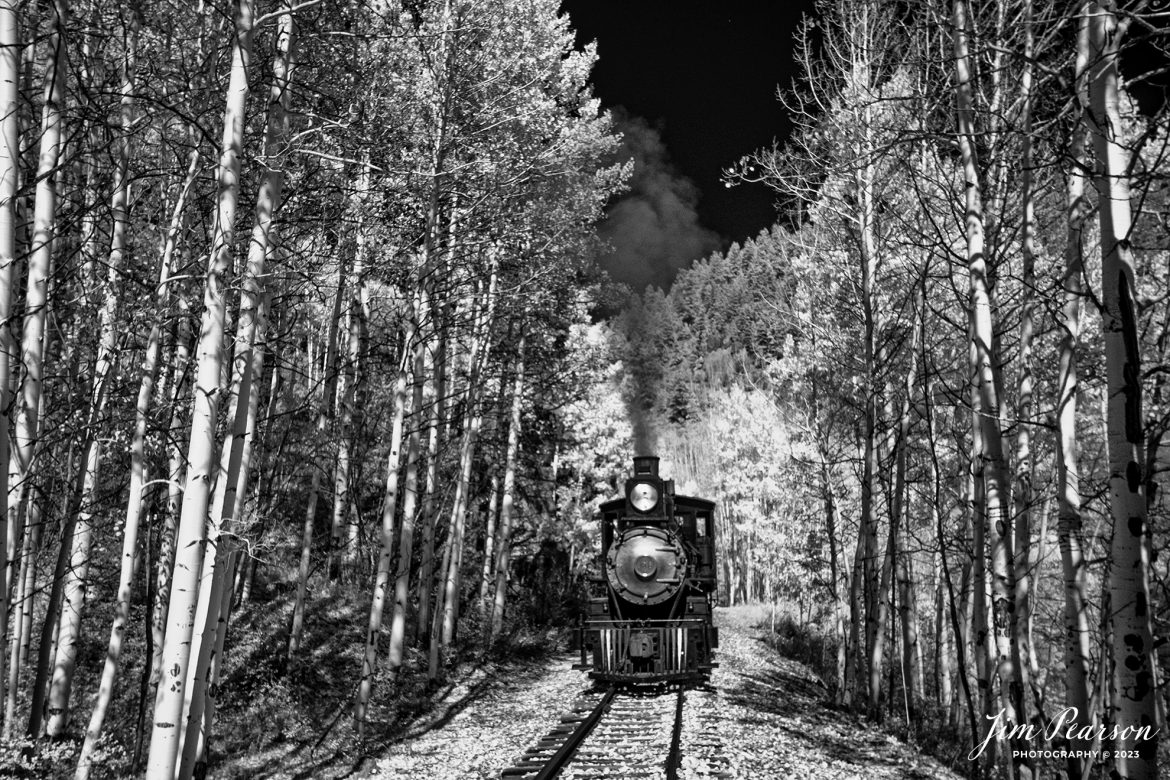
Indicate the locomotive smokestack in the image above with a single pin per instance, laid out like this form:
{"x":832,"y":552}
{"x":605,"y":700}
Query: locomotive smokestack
{"x":646,"y":465}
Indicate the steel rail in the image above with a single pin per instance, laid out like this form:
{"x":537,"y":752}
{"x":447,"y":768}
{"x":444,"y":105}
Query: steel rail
{"x":674,"y":757}
{"x":557,"y":761}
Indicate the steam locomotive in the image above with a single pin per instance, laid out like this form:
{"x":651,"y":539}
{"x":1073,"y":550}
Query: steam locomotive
{"x":654,"y":623}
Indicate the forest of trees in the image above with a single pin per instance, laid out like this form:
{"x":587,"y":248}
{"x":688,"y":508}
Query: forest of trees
{"x":937,"y":390}
{"x":294,"y":299}
{"x":302,"y":347}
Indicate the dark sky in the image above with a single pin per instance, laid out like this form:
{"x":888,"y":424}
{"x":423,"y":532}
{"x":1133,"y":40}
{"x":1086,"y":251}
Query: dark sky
{"x":702,"y":76}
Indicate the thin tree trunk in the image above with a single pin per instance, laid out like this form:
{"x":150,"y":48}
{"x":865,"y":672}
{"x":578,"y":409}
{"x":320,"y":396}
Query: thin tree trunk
{"x":489,"y":542}
{"x":389,"y":509}
{"x":9,"y":164}
{"x":176,"y":481}
{"x":1022,"y":542}
{"x":995,"y":486}
{"x":856,"y":618}
{"x":1134,"y":690}
{"x":134,"y":506}
{"x":838,"y":579}
{"x":1069,"y":533}
{"x":69,"y":631}
{"x":47,"y":648}
{"x":235,"y":457}
{"x":477,"y":357}
{"x":192,"y":533}
{"x":23,"y":609}
{"x":324,"y":414}
{"x":409,"y":506}
{"x":903,"y":565}
{"x":27,"y":428}
{"x":507,"y":502}
{"x":347,"y":393}
{"x":430,"y":512}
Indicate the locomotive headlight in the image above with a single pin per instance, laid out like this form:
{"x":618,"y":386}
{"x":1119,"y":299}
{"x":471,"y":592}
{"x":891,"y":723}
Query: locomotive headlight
{"x":644,"y":496}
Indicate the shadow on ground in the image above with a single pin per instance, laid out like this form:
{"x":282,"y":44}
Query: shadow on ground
{"x":787,"y":698}
{"x":293,"y":720}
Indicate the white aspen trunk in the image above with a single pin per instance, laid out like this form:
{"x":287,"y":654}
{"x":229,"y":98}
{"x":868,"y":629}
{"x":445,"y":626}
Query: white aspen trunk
{"x":339,"y":550}
{"x":856,"y":618}
{"x":235,"y":457}
{"x":409,"y":506}
{"x":426,"y":574}
{"x":134,"y":505}
{"x":436,"y":627}
{"x":996,"y":497}
{"x":150,"y":374}
{"x":359,"y":339}
{"x":27,"y":427}
{"x":869,"y":566}
{"x":1022,"y":542}
{"x":489,"y":543}
{"x":881,"y":620}
{"x":903,"y":559}
{"x":47,"y":646}
{"x":389,"y":508}
{"x":944,"y":647}
{"x":69,"y":631}
{"x":1134,"y":683}
{"x":324,"y":415}
{"x":838,"y":574}
{"x":192,"y":532}
{"x":508,"y":500}
{"x":214,"y":575}
{"x":478,"y":357}
{"x":210,"y":698}
{"x":347,"y":392}
{"x":1069,"y":534}
{"x":22,"y":613}
{"x":9,"y":164}
{"x":176,"y":473}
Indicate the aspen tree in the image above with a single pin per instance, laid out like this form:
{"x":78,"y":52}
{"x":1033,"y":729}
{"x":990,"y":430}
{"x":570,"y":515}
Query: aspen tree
{"x":348,"y":379}
{"x":389,"y":507}
{"x":429,"y":512}
{"x":992,"y":488}
{"x":489,"y":533}
{"x":1022,"y":655}
{"x":136,"y":494}
{"x":235,"y":457}
{"x":191,"y":539}
{"x":477,"y":358}
{"x":26,"y":428}
{"x":176,"y":465}
{"x":77,"y":576}
{"x":409,"y":513}
{"x":508,"y":499}
{"x":436,"y":433}
{"x":422,"y":312}
{"x":324,"y":416}
{"x":902,"y":558}
{"x":1069,"y":534}
{"x":1134,"y":684}
{"x":26,"y":432}
{"x":9,"y":161}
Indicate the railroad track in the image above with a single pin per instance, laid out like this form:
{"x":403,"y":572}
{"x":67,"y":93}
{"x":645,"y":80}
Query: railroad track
{"x":609,"y":735}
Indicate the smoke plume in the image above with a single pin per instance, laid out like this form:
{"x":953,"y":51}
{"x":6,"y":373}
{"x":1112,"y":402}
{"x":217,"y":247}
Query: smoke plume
{"x":654,"y":229}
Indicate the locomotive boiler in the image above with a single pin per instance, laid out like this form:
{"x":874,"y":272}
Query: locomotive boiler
{"x":653,"y":623}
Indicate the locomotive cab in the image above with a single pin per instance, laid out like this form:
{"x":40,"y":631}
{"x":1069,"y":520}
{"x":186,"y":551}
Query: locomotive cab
{"x":653,"y":623}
